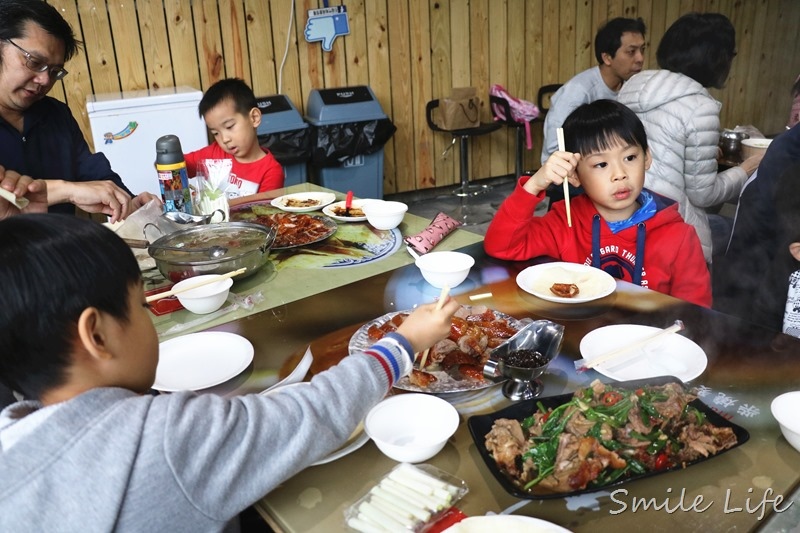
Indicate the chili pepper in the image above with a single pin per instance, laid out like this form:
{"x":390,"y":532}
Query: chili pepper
{"x":611,"y":398}
{"x":662,"y":461}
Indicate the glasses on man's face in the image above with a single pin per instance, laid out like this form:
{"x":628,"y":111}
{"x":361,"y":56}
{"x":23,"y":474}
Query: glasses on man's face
{"x":57,"y":73}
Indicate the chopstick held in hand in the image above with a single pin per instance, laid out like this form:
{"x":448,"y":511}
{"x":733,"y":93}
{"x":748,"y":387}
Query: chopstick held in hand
{"x":561,"y":148}
{"x":439,"y":305}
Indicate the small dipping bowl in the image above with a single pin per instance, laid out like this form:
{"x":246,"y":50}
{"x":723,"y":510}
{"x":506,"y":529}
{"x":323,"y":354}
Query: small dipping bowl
{"x":383,"y":214}
{"x":508,"y":361}
{"x":445,"y":268}
{"x":412,"y":427}
{"x":786,"y":410}
{"x":751,"y":147}
{"x":206,"y":298}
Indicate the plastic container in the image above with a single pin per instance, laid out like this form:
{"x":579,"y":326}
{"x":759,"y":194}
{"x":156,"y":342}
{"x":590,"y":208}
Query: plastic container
{"x":286,"y":135}
{"x":350,"y":131}
{"x":409,"y":497}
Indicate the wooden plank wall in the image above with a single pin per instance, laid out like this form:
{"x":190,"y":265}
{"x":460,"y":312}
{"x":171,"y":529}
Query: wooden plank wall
{"x":409,"y":52}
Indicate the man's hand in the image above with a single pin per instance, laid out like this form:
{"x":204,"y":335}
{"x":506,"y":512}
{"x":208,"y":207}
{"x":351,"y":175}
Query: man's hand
{"x":92,"y":196}
{"x":22,"y":187}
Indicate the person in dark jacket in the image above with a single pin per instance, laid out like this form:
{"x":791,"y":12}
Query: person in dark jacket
{"x":39,"y":137}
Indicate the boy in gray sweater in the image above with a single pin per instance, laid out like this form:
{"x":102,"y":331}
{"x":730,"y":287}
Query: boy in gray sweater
{"x":89,"y":451}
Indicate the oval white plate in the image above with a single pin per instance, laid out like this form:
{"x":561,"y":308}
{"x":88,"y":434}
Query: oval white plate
{"x":201,"y":360}
{"x":329,"y":210}
{"x":671,"y":355}
{"x":321,"y":198}
{"x":515,"y":523}
{"x":592,"y":282}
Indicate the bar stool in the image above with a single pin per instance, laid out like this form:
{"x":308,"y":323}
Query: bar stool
{"x":465,"y":213}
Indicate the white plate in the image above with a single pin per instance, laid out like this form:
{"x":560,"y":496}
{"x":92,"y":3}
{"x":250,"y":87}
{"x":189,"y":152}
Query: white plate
{"x":515,"y":523}
{"x":356,"y":440}
{"x":592,"y":282}
{"x":329,"y":210}
{"x":321,"y":199}
{"x":671,"y":355}
{"x":201,"y":360}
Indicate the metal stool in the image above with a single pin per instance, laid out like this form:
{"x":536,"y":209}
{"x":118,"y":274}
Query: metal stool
{"x":465,"y":213}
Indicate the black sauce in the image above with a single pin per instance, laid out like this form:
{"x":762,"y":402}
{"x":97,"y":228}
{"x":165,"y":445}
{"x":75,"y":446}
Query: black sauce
{"x":525,"y":359}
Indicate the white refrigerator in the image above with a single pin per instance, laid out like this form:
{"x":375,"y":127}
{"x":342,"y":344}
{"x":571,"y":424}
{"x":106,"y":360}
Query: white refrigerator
{"x":126,"y":125}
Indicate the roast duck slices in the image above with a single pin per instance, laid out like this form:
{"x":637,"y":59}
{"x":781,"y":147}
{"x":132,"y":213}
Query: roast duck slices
{"x":474,"y":332}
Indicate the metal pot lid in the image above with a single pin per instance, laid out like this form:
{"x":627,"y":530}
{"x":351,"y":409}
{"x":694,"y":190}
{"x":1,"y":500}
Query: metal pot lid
{"x":238,"y":238}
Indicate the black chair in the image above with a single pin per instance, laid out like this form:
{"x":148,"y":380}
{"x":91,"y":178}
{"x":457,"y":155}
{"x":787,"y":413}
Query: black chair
{"x":467,"y":189}
{"x":543,"y":98}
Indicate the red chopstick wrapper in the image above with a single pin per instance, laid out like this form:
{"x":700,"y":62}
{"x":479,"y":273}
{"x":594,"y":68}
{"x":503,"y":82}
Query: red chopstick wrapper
{"x":424,"y":241}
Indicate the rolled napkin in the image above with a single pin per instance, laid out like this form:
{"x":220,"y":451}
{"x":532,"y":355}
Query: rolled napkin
{"x":424,"y":241}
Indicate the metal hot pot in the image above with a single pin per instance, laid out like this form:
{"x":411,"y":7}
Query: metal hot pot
{"x":184,"y":254}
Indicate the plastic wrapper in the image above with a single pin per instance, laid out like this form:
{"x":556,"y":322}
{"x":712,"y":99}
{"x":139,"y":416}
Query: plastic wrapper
{"x":212,"y":183}
{"x":333,"y":144}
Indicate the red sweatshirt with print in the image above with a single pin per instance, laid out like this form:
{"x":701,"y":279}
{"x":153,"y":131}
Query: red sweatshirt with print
{"x":670,"y":256}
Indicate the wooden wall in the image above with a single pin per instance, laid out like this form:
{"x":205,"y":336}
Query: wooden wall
{"x":409,"y":52}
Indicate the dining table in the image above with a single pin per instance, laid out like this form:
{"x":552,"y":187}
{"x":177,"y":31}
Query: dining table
{"x":753,"y":486}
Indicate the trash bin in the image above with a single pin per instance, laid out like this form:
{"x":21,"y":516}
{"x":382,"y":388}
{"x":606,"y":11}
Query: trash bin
{"x":349,"y":132}
{"x":286,"y":135}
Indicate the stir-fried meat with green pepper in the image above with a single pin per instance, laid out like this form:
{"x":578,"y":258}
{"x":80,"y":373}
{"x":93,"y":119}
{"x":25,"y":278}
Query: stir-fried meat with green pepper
{"x":603,"y":434}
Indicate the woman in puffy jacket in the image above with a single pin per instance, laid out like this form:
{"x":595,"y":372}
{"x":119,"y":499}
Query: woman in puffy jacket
{"x":682,"y":120}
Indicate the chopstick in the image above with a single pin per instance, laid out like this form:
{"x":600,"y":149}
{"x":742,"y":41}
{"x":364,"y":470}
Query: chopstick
{"x":561,"y":148}
{"x":194,"y":285}
{"x":582,"y":365}
{"x":439,"y":305}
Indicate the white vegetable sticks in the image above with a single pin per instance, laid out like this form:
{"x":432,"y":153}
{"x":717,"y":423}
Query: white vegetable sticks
{"x":406,"y":498}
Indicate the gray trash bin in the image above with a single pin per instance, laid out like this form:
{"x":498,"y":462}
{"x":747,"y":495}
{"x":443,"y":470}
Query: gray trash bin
{"x":347,"y":145}
{"x":286,"y":135}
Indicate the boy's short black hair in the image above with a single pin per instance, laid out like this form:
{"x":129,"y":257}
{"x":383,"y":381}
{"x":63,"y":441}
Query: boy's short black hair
{"x":232,"y":89}
{"x":609,"y":37}
{"x":600,"y":125}
{"x":53,"y":267}
{"x":701,"y":46}
{"x":14,"y":14}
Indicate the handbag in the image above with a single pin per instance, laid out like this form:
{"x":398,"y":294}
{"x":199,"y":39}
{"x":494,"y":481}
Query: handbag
{"x":522,"y":111}
{"x":461,"y":110}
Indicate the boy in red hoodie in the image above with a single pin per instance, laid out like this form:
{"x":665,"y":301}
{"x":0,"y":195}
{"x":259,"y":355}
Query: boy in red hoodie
{"x":617,"y":225}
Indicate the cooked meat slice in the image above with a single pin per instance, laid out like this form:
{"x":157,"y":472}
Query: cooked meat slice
{"x":456,"y":357}
{"x":506,"y":443}
{"x":473,"y":372}
{"x":565,"y":290}
{"x":421,"y":379}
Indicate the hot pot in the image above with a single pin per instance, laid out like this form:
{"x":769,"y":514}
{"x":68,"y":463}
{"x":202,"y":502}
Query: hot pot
{"x":247,"y":245}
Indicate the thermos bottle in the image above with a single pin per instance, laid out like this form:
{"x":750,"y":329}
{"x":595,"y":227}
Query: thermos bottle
{"x":172,"y":175}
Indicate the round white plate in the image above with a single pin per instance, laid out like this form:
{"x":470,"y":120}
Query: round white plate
{"x":320,"y":199}
{"x":201,"y":360}
{"x":592,"y":282}
{"x":494,"y":523}
{"x":670,"y":355}
{"x":329,"y":210}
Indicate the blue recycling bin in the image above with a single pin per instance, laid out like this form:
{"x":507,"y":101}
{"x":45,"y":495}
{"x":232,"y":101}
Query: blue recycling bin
{"x":286,"y":135}
{"x":350,"y":129}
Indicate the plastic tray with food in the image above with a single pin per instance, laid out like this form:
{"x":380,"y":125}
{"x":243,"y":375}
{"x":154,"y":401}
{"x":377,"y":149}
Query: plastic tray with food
{"x":408,"y":498}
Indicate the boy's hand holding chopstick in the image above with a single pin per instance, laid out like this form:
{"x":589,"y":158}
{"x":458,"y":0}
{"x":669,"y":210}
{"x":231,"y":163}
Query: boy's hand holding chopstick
{"x":429,"y":323}
{"x":557,"y":168}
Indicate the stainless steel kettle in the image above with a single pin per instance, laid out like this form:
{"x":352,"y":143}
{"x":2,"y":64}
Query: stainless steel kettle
{"x":731,"y":143}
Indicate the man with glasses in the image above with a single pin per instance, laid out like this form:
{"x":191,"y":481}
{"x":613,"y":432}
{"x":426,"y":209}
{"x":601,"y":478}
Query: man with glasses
{"x":39,"y":137}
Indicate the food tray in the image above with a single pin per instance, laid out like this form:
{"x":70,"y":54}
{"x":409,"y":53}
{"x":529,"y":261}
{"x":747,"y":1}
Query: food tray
{"x":412,"y":492}
{"x":479,"y":426}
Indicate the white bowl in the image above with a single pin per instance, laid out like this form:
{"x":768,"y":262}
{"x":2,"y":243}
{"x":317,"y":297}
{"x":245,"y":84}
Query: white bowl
{"x":411,"y":428}
{"x":752,"y":147}
{"x":384,"y":214}
{"x":786,"y":410}
{"x":205,"y":299}
{"x":445,"y":268}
